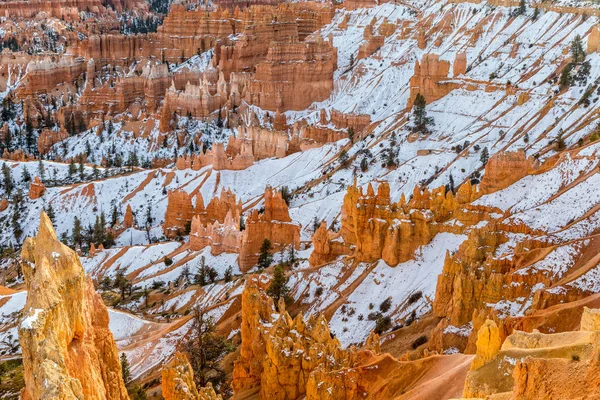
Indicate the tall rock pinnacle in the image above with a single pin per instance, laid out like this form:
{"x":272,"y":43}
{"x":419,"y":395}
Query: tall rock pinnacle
{"x":68,"y":350}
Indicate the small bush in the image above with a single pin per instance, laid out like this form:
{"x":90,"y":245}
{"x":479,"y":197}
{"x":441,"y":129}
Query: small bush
{"x":318,"y":291}
{"x":385,"y":305}
{"x":421,"y":340}
{"x":575,"y":357}
{"x":168,"y":261}
{"x":415,"y":297}
{"x":382,"y":324}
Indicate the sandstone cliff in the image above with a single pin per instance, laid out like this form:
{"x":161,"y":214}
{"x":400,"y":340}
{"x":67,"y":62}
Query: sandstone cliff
{"x":68,"y":350}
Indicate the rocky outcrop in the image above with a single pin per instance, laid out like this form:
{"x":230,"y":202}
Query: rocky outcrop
{"x":36,"y":188}
{"x":374,"y":228}
{"x":3,"y":204}
{"x":535,"y":365}
{"x":431,"y":79}
{"x":273,"y":224}
{"x":489,"y":342}
{"x":294,"y":75}
{"x":279,"y":353}
{"x":128,"y":217}
{"x":178,"y":382}
{"x":505,"y":168}
{"x":49,"y":138}
{"x":68,"y":350}
{"x":178,"y":216}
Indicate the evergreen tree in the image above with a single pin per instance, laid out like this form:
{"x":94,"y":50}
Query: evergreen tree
{"x":114,"y":216}
{"x":536,"y":14}
{"x":50,"y":212}
{"x":265,"y":257}
{"x":7,"y":180}
{"x":364,"y":165}
{"x":81,"y":170}
{"x":26,"y":174}
{"x":98,"y":236}
{"x":278,"y":287}
{"x":205,"y":350}
{"x":41,"y":170}
{"x":125,"y":371}
{"x":292,"y":255}
{"x":485,"y":155}
{"x":77,"y":235}
{"x":522,"y":8}
{"x":72,"y":167}
{"x":421,"y":120}
{"x":242,"y":223}
{"x":228,"y":274}
{"x":201,"y":272}
{"x":16,"y":218}
{"x":577,"y":52}
{"x":565,"y":76}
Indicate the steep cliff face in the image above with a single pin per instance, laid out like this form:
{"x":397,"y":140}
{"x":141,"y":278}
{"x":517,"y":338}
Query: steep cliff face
{"x":68,"y":350}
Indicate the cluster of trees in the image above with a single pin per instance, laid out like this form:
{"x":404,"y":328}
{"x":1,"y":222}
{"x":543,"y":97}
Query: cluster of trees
{"x":82,"y":237}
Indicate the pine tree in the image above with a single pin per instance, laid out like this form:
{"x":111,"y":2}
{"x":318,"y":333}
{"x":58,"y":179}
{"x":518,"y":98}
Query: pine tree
{"x":72,"y":167}
{"x":77,"y":235}
{"x":98,"y":236}
{"x":522,"y":8}
{"x":421,"y":120}
{"x":242,"y":223}
{"x":114,"y":216}
{"x":201,"y":272}
{"x":7,"y":179}
{"x":485,"y":155}
{"x":125,"y":371}
{"x":292,"y":255}
{"x":41,"y":170}
{"x":278,"y":287}
{"x":16,"y":219}
{"x":577,"y":52}
{"x":26,"y":175}
{"x":364,"y":165}
{"x":50,"y":212}
{"x":536,"y":14}
{"x":81,"y":170}
{"x":265,"y":257}
{"x":565,"y":76}
{"x":228,"y":274}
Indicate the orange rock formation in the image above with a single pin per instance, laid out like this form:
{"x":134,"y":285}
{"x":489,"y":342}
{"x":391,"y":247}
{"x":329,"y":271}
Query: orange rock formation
{"x":178,"y":382}
{"x":68,"y":350}
{"x":36,"y":188}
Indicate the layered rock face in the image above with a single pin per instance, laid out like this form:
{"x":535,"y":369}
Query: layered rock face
{"x":147,"y":85}
{"x":68,"y":350}
{"x":294,"y":75}
{"x":44,"y":75}
{"x":178,"y":382}
{"x":557,"y":366}
{"x":251,"y":144}
{"x":506,"y":168}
